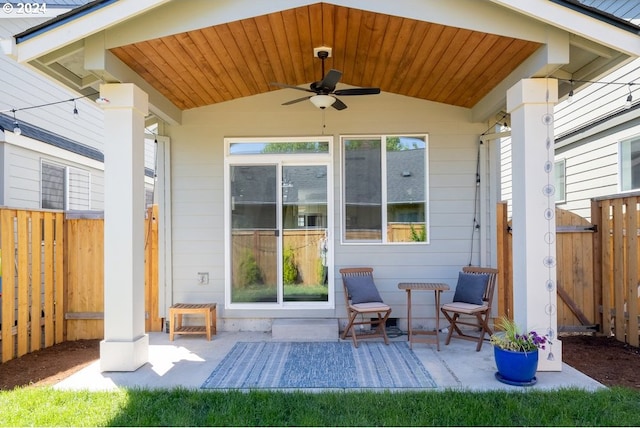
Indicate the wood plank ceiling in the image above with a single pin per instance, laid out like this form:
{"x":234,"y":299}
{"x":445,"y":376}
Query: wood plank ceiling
{"x":399,"y":55}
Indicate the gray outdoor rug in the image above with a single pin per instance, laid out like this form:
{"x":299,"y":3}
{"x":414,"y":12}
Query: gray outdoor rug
{"x":307,"y":365}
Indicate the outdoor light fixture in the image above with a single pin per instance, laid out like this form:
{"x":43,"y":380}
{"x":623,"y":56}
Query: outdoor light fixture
{"x":322,"y":101}
{"x":16,"y":126}
{"x":570,"y":99}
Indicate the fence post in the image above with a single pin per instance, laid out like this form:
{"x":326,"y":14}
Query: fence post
{"x":631,"y":274}
{"x":596,"y":220}
{"x":504,"y":262}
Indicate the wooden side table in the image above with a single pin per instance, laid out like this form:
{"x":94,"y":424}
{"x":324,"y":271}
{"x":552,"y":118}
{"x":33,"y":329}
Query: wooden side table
{"x":437,"y":288}
{"x":208,"y":310}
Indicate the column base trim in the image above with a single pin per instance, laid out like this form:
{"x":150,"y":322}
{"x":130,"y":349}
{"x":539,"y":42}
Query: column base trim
{"x":124,"y":356}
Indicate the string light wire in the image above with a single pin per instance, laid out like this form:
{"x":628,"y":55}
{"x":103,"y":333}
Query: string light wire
{"x":629,"y":98}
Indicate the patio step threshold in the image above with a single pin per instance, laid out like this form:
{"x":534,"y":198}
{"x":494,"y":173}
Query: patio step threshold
{"x":305,"y":329}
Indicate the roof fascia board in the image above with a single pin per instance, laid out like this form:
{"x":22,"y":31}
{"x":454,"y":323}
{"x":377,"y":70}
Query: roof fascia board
{"x":577,"y":136}
{"x":577,"y":23}
{"x":60,"y":34}
{"x":474,"y":15}
{"x":36,"y":145}
{"x":470,"y":14}
{"x":544,"y":62}
{"x":176,"y":17}
{"x":49,"y":12}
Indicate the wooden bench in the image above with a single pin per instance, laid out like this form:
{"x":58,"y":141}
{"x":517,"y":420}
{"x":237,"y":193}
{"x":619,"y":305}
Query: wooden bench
{"x":208,"y":310}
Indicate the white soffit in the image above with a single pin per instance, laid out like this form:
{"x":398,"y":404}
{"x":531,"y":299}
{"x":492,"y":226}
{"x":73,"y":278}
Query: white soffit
{"x":81,"y":27}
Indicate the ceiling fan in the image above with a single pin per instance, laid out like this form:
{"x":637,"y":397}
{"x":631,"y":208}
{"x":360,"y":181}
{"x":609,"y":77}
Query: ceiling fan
{"x":325,"y":89}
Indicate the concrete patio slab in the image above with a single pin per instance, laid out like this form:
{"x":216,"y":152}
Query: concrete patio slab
{"x":189,"y":360}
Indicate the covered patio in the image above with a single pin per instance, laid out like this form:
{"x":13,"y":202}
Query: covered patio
{"x":188,"y":361}
{"x":234,"y":162}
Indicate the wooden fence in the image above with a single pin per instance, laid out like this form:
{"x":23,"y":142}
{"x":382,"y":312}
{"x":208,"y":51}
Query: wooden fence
{"x":576,"y":310}
{"x":597,"y":262}
{"x":57,"y":280}
{"x":31,"y":244}
{"x":616,"y":265}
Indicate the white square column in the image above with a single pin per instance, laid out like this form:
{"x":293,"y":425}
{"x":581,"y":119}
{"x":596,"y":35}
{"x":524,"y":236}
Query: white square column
{"x":530,"y":103}
{"x":125,"y":346}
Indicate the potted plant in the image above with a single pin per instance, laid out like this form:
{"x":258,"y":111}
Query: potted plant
{"x":516,"y":353}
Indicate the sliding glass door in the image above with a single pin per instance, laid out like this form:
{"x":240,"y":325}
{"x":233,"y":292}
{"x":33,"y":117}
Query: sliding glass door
{"x":279,"y":246}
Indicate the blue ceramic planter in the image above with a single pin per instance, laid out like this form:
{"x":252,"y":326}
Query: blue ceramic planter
{"x":518,"y":368}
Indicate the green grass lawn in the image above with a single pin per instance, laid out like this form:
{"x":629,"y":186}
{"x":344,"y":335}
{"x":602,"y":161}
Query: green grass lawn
{"x":181,"y":407}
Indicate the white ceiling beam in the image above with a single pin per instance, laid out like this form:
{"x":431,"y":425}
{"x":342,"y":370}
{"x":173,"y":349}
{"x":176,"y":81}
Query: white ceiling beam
{"x":544,"y":62}
{"x":158,"y":103}
{"x":103,"y":63}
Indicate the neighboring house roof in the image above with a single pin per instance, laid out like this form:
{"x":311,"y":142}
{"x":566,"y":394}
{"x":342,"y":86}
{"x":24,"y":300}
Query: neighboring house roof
{"x":623,"y":10}
{"x":616,"y":13}
{"x":37,"y":133}
{"x":405,"y":177}
{"x":456,"y":55}
{"x":40,"y":134}
{"x":628,"y":10}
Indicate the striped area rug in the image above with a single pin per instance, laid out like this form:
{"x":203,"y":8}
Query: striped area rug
{"x":309,"y":365}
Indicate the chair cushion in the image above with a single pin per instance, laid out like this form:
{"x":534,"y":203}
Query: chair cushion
{"x":470,"y":288}
{"x":464,"y":308}
{"x":370,"y":307}
{"x":362,"y":289}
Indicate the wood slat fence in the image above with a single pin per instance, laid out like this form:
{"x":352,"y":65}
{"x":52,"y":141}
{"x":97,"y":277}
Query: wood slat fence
{"x":576,"y":310}
{"x":52,"y":272}
{"x":597,"y":262}
{"x":616,"y":265}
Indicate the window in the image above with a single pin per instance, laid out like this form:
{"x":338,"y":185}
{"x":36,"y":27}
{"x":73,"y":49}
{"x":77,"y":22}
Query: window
{"x":53,"y":186}
{"x":64,"y":188}
{"x":384,"y":188}
{"x":630,"y":164}
{"x":560,"y":176}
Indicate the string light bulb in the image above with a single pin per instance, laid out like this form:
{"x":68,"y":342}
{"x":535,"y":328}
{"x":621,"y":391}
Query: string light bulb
{"x":629,"y":101}
{"x":75,"y":110}
{"x":570,"y":99}
{"x":16,"y":125}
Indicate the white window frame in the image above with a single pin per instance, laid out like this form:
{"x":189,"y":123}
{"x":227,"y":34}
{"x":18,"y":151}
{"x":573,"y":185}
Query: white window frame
{"x":66,"y":184}
{"x":383,"y":178}
{"x":561,"y":188}
{"x":279,"y":159}
{"x":623,"y":163}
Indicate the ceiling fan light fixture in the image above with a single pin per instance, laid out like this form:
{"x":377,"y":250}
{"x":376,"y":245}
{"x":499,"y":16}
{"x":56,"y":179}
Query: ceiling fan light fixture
{"x":322,"y":101}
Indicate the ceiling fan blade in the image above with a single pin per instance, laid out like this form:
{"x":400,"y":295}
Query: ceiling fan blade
{"x":358,"y":91}
{"x":297,"y":100}
{"x":339,"y":105}
{"x":284,"y":85}
{"x":330,"y":80}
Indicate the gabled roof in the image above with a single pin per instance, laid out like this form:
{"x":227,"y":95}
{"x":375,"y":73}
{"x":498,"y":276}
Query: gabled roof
{"x":464,"y":53}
